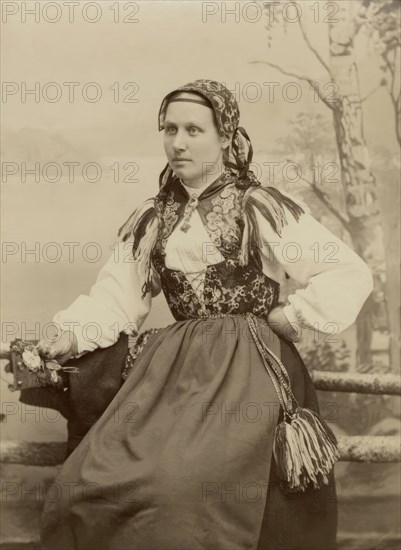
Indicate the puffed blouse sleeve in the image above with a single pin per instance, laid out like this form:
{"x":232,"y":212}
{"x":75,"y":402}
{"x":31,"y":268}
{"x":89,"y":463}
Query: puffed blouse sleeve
{"x":336,"y":281}
{"x":116,"y":302}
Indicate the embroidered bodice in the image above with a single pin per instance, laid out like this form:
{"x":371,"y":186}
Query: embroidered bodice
{"x":222,"y":287}
{"x":227,"y":288}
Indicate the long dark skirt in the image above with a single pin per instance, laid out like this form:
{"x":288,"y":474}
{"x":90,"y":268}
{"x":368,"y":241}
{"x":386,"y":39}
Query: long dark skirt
{"x":182,"y":457}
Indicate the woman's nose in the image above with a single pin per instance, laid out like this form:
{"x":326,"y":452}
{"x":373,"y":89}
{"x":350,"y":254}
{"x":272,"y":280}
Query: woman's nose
{"x":179,"y":142}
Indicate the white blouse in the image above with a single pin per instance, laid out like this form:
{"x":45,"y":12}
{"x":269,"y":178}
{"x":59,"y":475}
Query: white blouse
{"x":336,"y":281}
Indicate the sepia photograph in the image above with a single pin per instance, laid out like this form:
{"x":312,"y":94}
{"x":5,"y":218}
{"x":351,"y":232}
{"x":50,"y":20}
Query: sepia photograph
{"x":200,"y":275}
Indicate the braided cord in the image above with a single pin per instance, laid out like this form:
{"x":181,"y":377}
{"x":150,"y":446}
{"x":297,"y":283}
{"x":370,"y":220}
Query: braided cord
{"x":275,"y":368}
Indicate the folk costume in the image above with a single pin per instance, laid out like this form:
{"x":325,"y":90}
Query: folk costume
{"x":214,"y":440}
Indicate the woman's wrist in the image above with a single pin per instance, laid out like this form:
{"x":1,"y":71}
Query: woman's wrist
{"x":74,"y":343}
{"x":61,"y":346}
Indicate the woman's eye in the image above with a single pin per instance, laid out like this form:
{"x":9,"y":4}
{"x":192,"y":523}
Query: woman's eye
{"x":193,"y":130}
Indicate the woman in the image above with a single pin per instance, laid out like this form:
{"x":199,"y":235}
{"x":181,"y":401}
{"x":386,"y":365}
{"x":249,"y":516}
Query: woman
{"x":182,"y":458}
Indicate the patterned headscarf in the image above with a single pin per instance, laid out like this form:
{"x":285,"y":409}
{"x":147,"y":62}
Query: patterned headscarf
{"x":226,"y":111}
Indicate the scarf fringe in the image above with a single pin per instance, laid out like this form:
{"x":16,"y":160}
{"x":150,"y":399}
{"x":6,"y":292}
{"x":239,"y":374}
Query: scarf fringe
{"x":143,"y":226}
{"x":272,"y":208}
{"x":247,"y":228}
{"x":144,"y":211}
{"x":142,"y":252}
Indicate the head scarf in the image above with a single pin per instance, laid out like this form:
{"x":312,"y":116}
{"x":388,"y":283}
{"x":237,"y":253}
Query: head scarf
{"x":226,"y":111}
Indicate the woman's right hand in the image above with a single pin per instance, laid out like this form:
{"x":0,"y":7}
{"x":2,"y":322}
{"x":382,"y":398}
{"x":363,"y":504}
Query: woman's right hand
{"x":61,"y":348}
{"x":278,"y":322}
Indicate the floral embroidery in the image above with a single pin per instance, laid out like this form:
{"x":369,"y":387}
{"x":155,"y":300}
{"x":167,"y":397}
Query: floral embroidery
{"x":225,"y":200}
{"x":222,"y":221}
{"x":136,"y":349}
{"x":170,"y":217}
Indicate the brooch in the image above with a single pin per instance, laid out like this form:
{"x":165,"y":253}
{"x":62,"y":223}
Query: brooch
{"x":189,"y":208}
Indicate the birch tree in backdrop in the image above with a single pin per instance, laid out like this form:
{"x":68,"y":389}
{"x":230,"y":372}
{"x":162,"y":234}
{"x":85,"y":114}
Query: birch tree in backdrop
{"x":332,"y":74}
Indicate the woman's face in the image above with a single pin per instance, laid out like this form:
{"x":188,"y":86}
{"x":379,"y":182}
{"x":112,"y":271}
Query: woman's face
{"x":192,"y":143}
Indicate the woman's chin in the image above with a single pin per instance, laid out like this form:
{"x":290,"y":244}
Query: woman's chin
{"x":183,"y":172}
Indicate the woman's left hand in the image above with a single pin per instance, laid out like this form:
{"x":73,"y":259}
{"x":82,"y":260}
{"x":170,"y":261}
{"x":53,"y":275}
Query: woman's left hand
{"x":279,"y":323}
{"x":61,"y":348}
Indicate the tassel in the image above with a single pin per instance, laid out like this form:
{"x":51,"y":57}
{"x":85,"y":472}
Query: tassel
{"x":304,"y":447}
{"x":305,"y":451}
